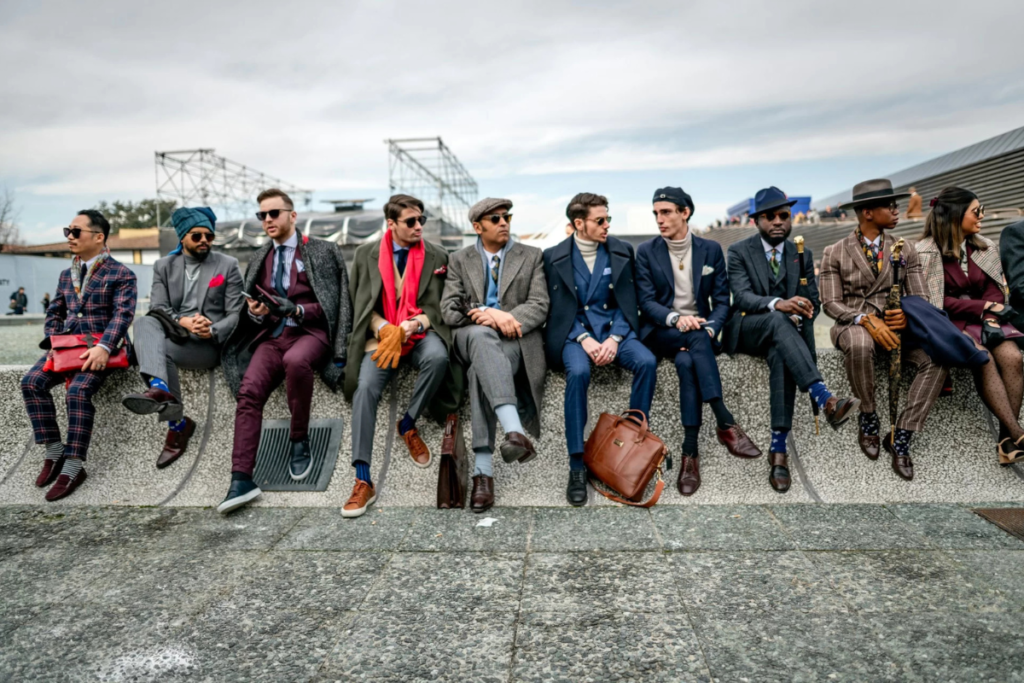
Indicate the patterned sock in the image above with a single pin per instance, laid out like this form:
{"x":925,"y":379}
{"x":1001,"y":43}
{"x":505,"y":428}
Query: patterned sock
{"x":901,"y":441}
{"x":508,"y":416}
{"x":176,"y":425}
{"x":484,"y":462}
{"x":72,"y":466}
{"x":576,"y":462}
{"x":869,"y":424}
{"x":363,"y":472}
{"x":779,"y":440}
{"x":722,"y":415}
{"x":405,"y":425}
{"x":690,"y":440}
{"x":54,"y":451}
{"x":157,"y":383}
{"x":820,"y":393}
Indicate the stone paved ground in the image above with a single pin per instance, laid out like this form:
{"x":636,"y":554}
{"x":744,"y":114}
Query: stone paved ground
{"x":725,"y":593}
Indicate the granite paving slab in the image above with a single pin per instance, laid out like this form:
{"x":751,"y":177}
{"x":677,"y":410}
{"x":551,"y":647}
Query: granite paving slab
{"x":850,"y":527}
{"x":1000,"y":569}
{"x":593,"y":528}
{"x":462,"y":530}
{"x":250,"y":528}
{"x":720,"y":527}
{"x":954,"y":527}
{"x":381,"y":528}
{"x":569,"y":648}
{"x":52,"y":575}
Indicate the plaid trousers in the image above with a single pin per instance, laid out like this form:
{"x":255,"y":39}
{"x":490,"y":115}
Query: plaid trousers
{"x":35,"y":388}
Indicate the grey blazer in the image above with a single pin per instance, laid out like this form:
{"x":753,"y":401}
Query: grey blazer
{"x":523,"y":292}
{"x":220,"y":304}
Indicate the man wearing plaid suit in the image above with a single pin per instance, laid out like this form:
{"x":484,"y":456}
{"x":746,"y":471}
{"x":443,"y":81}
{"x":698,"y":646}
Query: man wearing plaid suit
{"x":856,"y":275}
{"x":95,"y":296}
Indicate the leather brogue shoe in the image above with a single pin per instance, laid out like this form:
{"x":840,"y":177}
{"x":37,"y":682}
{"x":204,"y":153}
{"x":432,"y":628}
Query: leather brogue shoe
{"x":302,"y":460}
{"x":901,"y":464}
{"x":151,"y":401}
{"x":482,"y":497}
{"x":737,"y":442}
{"x":418,"y":451}
{"x":176,"y":443}
{"x":778,"y":473}
{"x":50,"y":472}
{"x":576,"y":491}
{"x":517,"y":448}
{"x":839,"y":410}
{"x":689,"y":475}
{"x":65,"y":485}
{"x":868,"y":445}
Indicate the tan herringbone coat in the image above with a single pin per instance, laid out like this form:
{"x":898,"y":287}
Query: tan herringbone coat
{"x":931,"y":263}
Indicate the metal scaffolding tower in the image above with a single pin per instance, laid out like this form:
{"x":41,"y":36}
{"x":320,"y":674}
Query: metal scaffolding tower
{"x":198,"y":177}
{"x":429,"y":171}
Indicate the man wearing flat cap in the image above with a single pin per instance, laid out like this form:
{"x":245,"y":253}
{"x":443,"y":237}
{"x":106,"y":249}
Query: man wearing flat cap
{"x":194,"y":306}
{"x":856,"y":275}
{"x":775,"y":302}
{"x":496,"y":301}
{"x":683,"y":291}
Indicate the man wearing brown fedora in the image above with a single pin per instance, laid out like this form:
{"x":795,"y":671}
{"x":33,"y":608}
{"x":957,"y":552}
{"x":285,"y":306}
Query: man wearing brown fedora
{"x":856,"y":275}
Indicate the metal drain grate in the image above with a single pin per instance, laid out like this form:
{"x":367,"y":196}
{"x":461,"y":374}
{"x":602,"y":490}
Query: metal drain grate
{"x":275,"y":452}
{"x":1010,"y":520}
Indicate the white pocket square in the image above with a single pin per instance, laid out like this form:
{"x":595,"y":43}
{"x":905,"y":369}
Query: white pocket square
{"x":707,"y":270}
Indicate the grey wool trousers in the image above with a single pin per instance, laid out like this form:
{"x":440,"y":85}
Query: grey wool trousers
{"x":492,"y":362}
{"x":161,"y":358}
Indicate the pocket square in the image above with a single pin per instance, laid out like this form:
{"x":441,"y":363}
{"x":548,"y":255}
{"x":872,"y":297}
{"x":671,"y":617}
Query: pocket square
{"x":707,"y":270}
{"x":216,"y":281}
{"x":442,"y":271}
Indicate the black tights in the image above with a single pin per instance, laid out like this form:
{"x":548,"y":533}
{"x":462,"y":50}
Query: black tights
{"x":1000,"y":383}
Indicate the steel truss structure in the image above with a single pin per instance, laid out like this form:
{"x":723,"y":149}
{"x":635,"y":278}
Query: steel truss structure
{"x":429,"y":171}
{"x":198,"y":177}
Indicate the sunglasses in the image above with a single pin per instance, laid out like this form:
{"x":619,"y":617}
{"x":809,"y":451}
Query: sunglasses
{"x":198,"y":237}
{"x":496,"y":218}
{"x":411,"y":222}
{"x":273,"y":213}
{"x":77,"y":232}
{"x":771,"y":215}
{"x":979,"y":212}
{"x":601,"y":221}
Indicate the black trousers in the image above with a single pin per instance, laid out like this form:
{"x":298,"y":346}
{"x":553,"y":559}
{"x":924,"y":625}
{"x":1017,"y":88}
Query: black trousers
{"x":774,"y":336}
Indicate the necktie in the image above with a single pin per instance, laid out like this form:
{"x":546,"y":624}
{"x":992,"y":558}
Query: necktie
{"x":774,"y":263}
{"x":85,"y":271}
{"x":874,"y":255}
{"x":403,"y":258}
{"x":495,"y":264}
{"x":279,"y":274}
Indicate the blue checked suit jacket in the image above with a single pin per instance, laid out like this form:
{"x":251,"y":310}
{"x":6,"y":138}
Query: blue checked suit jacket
{"x":106,"y":309}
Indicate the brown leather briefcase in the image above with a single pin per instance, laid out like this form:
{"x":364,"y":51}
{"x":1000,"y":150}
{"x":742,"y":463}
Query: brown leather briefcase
{"x":623,"y":454}
{"x":452,"y":473}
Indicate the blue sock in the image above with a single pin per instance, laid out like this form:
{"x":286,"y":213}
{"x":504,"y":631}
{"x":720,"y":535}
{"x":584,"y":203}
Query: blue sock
{"x":820,"y":393}
{"x":576,"y":462}
{"x":869,"y":424}
{"x":363,"y":472}
{"x":176,"y":425}
{"x":508,"y":416}
{"x":157,"y":383}
{"x":406,"y":424}
{"x":779,"y":441}
{"x":484,"y":465}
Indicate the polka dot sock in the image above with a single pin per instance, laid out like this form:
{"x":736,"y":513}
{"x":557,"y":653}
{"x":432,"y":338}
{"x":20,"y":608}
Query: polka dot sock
{"x":869,"y":425}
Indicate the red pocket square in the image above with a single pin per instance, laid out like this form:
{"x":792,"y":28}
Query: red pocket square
{"x":217,"y":280}
{"x":443,"y":270}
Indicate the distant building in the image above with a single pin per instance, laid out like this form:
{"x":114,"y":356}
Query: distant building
{"x":803,"y":205}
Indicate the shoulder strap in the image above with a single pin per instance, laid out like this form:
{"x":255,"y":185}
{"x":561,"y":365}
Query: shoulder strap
{"x":658,"y":488}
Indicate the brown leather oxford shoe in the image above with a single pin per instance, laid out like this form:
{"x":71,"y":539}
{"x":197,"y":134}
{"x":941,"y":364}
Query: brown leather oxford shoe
{"x":901,"y":464}
{"x":778,"y":472}
{"x":517,"y":448}
{"x":868,"y":445}
{"x":482,"y":497}
{"x":50,"y":472}
{"x":737,"y":442}
{"x":839,"y":410}
{"x":175,"y":445}
{"x":151,"y":401}
{"x":689,"y":476}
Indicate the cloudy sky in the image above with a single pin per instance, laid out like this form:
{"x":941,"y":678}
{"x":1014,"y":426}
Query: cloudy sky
{"x":538,"y":99}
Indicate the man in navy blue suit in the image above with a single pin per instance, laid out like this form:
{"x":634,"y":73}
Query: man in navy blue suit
{"x":593,"y":319}
{"x":683,"y":290}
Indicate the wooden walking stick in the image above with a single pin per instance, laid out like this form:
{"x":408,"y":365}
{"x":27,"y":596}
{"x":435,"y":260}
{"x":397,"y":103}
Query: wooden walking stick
{"x":803,"y":290}
{"x":894,"y":302}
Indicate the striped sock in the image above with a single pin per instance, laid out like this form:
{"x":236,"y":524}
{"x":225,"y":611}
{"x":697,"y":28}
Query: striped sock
{"x":157,"y":383}
{"x":363,"y":472}
{"x":72,"y":466}
{"x":54,"y":451}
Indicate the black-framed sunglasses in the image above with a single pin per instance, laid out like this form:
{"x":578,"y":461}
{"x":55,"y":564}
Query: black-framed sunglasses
{"x":771,"y":215}
{"x":979,"y":212}
{"x":198,"y":237}
{"x":77,"y":232}
{"x":411,"y":222}
{"x":496,"y":218}
{"x":273,"y":213}
{"x":601,"y":221}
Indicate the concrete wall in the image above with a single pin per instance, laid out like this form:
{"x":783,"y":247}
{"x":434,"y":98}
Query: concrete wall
{"x":39,"y":274}
{"x":955,"y":457}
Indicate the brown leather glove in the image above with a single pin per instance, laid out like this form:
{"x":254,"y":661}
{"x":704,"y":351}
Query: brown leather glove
{"x":896,"y":319}
{"x":880,"y":332}
{"x":389,"y":350}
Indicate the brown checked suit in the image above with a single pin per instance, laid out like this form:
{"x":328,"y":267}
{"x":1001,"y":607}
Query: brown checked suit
{"x":850,"y":287}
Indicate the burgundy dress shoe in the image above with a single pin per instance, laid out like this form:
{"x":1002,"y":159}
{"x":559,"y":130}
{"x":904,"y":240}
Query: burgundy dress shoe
{"x":737,"y":442}
{"x":868,"y":445}
{"x":51,"y":470}
{"x":65,"y":486}
{"x":778,"y":474}
{"x":175,"y":445}
{"x":839,"y":410}
{"x":482,"y":497}
{"x":151,"y":401}
{"x":689,"y":476}
{"x":517,"y":448}
{"x":901,"y":464}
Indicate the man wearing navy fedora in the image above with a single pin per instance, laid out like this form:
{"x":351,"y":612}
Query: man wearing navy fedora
{"x":775,"y":302}
{"x":683,"y":291}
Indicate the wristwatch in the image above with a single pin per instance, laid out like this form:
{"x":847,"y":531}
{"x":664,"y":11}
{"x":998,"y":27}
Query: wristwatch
{"x":617,"y":338}
{"x":585,"y":335}
{"x":420,"y":329}
{"x":673,"y":319}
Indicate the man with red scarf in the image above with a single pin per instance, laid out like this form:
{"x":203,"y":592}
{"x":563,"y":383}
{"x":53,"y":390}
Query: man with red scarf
{"x":396,"y":293}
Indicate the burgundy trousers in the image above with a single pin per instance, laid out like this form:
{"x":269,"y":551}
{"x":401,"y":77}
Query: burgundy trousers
{"x":293,"y":357}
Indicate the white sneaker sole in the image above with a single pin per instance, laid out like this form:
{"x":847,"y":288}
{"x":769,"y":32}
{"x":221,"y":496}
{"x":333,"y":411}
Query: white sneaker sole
{"x":430,"y":459}
{"x":235,"y":503}
{"x":358,"y":512}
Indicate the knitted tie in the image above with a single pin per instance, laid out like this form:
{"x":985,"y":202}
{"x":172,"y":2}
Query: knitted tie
{"x":774,"y":262}
{"x":403,"y":258}
{"x":495,"y":264}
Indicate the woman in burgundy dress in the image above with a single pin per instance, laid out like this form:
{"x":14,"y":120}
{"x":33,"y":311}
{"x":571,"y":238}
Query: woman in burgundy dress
{"x":965,"y":278}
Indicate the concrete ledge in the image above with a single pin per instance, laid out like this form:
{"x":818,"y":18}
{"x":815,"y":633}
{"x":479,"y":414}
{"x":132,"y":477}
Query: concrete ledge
{"x":954,"y":458}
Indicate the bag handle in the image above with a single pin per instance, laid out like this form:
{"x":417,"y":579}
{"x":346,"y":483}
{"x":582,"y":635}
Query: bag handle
{"x":643,"y":422}
{"x":651,"y":502}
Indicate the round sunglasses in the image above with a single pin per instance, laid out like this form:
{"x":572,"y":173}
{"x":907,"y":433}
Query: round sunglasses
{"x":198,"y":237}
{"x":496,"y":218}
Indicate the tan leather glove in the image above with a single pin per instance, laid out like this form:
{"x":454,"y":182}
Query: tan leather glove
{"x":389,"y":350}
{"x":880,"y":332}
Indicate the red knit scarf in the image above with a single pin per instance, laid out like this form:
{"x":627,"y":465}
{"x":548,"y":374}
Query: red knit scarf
{"x":396,"y":312}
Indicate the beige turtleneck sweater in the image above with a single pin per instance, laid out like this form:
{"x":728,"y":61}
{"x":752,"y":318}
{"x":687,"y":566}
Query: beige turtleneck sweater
{"x":679,"y":252}
{"x":588,"y":250}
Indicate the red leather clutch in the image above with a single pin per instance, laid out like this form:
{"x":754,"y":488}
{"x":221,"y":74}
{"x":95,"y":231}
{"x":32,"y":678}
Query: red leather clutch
{"x":68,"y":347}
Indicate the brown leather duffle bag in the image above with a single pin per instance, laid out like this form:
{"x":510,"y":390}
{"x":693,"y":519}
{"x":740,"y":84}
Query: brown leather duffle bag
{"x":624,"y":455}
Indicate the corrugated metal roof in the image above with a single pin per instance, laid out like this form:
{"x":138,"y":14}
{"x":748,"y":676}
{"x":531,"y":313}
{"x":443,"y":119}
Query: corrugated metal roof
{"x":972,"y":154}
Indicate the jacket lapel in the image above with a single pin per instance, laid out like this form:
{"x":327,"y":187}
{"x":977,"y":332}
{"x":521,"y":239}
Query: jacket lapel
{"x":252,"y":273}
{"x":206,"y":273}
{"x":514,"y":259}
{"x":856,"y":256}
{"x":563,"y":266}
{"x":663,"y":263}
{"x":698,"y":253}
{"x":792,"y":264}
{"x":428,"y":271}
{"x":94,"y":281}
{"x":760,"y":262}
{"x":988,"y":261}
{"x":176,"y":281}
{"x":476,"y":277}
{"x":376,"y":281}
{"x":600,"y":263}
{"x":884,"y":277}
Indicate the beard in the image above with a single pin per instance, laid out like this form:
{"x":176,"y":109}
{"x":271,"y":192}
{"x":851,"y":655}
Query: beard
{"x":197,"y":254}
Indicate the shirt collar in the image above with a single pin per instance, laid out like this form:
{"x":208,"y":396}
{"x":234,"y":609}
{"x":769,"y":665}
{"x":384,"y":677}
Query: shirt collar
{"x":396,"y":247}
{"x":875,"y":242}
{"x":768,"y":248}
{"x":88,"y":264}
{"x":292,"y":242}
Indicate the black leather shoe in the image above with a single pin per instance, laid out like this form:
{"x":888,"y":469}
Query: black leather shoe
{"x":576,"y":491}
{"x":302,"y":460}
{"x":240,"y":493}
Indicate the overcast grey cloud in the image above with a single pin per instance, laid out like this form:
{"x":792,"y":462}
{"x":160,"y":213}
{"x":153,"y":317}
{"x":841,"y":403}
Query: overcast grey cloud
{"x":308,"y":91}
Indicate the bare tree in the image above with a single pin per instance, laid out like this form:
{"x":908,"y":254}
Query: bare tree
{"x":8,"y":218}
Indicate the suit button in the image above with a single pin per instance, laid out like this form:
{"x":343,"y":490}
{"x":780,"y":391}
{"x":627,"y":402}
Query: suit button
{"x":586,"y":308}
{"x":79,"y":315}
{"x":606,"y":306}
{"x":611,"y":286}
